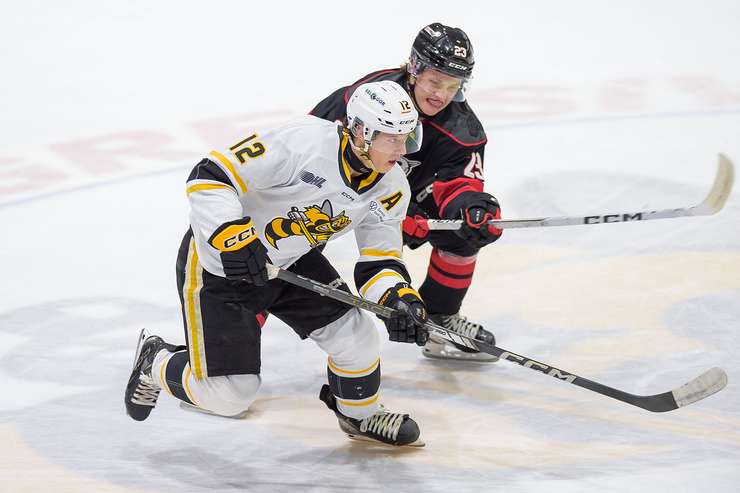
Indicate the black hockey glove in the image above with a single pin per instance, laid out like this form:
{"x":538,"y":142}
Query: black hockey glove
{"x":406,"y":324}
{"x":478,"y":208}
{"x":415,"y":229}
{"x":243,"y":255}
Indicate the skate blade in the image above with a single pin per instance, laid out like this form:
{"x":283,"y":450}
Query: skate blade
{"x":362,"y":438}
{"x":143,"y":335}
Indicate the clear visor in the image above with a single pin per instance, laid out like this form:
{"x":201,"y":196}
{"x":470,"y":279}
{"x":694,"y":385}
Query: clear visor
{"x":403,"y":143}
{"x":447,"y":87}
{"x":458,"y":88}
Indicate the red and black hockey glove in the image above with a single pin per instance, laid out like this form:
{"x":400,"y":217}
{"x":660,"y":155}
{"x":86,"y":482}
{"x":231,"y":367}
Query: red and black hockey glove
{"x":243,"y":256}
{"x":415,"y":229}
{"x":411,"y":314}
{"x":477,"y":208}
{"x":464,"y":199}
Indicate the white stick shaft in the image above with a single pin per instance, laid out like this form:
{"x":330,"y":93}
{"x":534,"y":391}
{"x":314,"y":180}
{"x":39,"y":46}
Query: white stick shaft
{"x":712,"y":203}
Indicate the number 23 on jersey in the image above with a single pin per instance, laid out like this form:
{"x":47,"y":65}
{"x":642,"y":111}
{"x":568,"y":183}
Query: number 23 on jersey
{"x":474,"y":168}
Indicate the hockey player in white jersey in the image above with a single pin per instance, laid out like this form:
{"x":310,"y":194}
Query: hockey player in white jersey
{"x":271,"y":198}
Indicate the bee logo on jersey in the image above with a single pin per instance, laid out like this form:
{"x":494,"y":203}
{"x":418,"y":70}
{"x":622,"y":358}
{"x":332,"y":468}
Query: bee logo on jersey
{"x":317,"y":224}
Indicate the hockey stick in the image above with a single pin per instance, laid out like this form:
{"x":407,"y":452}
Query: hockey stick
{"x":712,"y":204}
{"x":703,"y":386}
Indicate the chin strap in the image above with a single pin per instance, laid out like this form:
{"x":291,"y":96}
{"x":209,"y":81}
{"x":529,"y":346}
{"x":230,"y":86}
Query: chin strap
{"x":354,"y":161}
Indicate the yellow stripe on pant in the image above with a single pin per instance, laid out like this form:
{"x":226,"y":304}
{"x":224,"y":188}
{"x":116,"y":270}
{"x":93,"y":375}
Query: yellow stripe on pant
{"x":193,"y":319}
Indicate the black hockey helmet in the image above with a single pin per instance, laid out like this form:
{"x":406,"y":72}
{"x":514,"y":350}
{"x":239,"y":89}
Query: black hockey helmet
{"x":445,"y":49}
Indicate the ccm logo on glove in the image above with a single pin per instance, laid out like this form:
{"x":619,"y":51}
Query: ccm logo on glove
{"x":233,"y":236}
{"x":243,"y":256}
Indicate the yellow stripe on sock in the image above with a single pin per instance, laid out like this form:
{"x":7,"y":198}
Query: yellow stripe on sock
{"x":338,"y":370}
{"x":186,"y":385}
{"x":163,"y":372}
{"x":366,"y":402}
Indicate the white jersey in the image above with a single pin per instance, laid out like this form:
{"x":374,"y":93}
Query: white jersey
{"x":294,"y":182}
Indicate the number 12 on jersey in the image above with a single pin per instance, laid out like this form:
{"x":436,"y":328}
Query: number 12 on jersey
{"x":249,"y":146}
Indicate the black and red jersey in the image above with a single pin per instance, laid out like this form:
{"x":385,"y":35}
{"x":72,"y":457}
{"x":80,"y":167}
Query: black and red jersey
{"x":452,"y":147}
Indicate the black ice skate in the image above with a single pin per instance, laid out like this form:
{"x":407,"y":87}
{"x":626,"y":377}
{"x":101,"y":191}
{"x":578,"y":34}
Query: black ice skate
{"x":382,"y":427}
{"x":438,"y":348}
{"x":142,"y":390}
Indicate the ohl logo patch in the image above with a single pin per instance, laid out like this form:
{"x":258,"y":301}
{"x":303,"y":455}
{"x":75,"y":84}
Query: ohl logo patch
{"x":316,"y":224}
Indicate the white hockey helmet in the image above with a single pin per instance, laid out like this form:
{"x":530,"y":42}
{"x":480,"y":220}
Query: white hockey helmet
{"x":384,"y":107}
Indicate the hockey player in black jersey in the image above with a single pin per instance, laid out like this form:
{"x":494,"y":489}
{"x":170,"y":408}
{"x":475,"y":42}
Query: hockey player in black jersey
{"x":446,"y":175}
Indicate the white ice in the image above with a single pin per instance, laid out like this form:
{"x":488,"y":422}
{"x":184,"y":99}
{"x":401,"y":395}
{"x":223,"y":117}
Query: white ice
{"x":589,"y":106}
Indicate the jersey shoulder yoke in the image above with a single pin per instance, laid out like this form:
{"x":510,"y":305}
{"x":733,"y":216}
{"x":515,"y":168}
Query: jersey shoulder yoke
{"x":460,"y":124}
